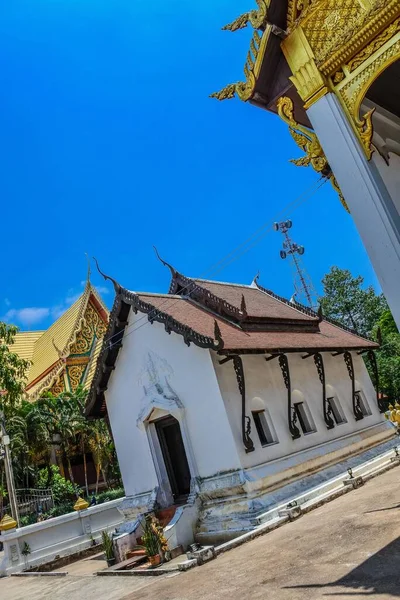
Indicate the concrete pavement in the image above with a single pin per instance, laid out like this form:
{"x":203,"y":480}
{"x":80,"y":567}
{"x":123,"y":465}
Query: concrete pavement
{"x":349,"y":547}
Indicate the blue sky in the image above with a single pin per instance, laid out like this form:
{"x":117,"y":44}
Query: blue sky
{"x":110,"y":144}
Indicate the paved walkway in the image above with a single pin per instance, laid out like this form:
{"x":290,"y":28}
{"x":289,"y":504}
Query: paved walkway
{"x":347,"y":548}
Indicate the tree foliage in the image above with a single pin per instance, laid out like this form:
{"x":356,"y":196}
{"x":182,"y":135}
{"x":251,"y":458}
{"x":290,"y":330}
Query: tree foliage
{"x":12,"y":368}
{"x":346,"y":300}
{"x":53,"y":422}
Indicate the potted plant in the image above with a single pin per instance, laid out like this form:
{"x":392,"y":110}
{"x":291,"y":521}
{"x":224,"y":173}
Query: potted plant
{"x":108,"y":548}
{"x":153,"y":540}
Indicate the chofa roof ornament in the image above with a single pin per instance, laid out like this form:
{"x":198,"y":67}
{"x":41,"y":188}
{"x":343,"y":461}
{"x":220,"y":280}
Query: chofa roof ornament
{"x":117,"y":286}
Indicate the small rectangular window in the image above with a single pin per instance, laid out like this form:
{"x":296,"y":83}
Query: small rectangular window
{"x":304,"y":417}
{"x":336,"y":411}
{"x":264,"y":427}
{"x":363,"y":404}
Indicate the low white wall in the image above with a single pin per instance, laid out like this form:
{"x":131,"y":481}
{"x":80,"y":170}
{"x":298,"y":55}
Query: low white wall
{"x":58,"y":537}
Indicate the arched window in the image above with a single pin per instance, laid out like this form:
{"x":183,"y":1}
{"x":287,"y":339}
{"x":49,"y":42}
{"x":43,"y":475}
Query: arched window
{"x":262,"y":421}
{"x":302,"y":412}
{"x":334,"y":407}
{"x":361,"y":400}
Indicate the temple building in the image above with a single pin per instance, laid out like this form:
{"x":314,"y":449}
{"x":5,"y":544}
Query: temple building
{"x":63,"y":356}
{"x":222,"y":398}
{"x":331,"y":70}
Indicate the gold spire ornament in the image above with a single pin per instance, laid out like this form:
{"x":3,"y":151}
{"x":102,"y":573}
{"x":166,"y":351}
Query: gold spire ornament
{"x":7,"y":523}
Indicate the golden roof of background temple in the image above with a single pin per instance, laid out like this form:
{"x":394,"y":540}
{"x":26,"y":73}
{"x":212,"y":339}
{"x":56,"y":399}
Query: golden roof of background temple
{"x":61,"y":356}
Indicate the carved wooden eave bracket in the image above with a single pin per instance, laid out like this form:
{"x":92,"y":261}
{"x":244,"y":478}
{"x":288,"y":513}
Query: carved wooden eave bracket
{"x":309,"y":143}
{"x":348,"y":359}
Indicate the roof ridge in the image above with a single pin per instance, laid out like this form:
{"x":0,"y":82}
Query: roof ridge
{"x":244,"y":285}
{"x":299,"y":307}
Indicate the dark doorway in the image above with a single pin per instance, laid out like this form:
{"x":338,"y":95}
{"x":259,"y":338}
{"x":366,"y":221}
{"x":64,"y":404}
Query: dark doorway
{"x":173,"y":450}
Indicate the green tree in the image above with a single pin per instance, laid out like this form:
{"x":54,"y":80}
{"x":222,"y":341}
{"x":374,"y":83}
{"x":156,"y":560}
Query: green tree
{"x":12,"y":368}
{"x":346,"y":300}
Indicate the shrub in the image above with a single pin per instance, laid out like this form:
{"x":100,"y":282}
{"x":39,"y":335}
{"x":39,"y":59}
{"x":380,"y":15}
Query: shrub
{"x":110,"y":495}
{"x":63,"y":490}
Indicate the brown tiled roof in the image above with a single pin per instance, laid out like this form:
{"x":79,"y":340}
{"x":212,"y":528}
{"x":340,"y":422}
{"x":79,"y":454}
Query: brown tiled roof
{"x":259,"y":304}
{"x":329,"y":337}
{"x":202,"y":326}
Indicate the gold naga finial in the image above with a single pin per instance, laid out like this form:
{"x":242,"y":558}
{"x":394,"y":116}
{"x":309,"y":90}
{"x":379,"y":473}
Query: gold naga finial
{"x":308,"y":141}
{"x":239,"y":23}
{"x":227,"y":93}
{"x":244,"y":89}
{"x":257,"y":17}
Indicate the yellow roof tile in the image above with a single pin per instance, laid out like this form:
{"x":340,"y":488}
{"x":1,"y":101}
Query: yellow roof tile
{"x":55,"y":341}
{"x":24,"y":343}
{"x":92,"y":364}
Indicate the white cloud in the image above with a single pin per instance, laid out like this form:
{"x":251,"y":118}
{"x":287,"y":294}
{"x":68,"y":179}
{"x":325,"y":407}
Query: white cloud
{"x":27,"y":316}
{"x":102,"y":289}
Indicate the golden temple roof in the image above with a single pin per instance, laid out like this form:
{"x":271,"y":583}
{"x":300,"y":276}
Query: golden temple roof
{"x":49,"y":350}
{"x":24,"y":343}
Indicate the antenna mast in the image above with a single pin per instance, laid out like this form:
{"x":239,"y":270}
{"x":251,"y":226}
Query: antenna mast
{"x":304,"y":292}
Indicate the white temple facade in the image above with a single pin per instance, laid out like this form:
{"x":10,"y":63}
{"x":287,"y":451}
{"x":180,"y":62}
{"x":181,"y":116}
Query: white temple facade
{"x":225,"y":399}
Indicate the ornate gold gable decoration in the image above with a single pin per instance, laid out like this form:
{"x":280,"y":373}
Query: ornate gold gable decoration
{"x":342,"y":46}
{"x":309,"y":143}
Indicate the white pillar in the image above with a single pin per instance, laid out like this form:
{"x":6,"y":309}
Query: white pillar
{"x":369,"y":201}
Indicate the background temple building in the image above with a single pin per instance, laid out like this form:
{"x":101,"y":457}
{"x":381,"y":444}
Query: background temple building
{"x":223,"y":397}
{"x":330,"y":69}
{"x":62,"y":357}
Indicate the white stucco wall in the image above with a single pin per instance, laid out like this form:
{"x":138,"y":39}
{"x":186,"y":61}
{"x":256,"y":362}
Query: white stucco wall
{"x":264,"y":382}
{"x":386,"y":140}
{"x":191,"y":375}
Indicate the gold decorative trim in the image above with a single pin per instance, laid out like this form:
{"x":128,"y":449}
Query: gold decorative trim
{"x":301,"y":60}
{"x":375,"y":45}
{"x":78,"y":360}
{"x":316,"y":97}
{"x":366,"y":132}
{"x":353,"y":91}
{"x":308,"y":141}
{"x":257,"y":18}
{"x":245,"y":89}
{"x":362,"y":31}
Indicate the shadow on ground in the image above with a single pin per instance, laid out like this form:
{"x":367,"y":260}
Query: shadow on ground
{"x":379,"y":574}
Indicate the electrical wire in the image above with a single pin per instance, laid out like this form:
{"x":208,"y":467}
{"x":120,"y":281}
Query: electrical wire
{"x":256,"y":237}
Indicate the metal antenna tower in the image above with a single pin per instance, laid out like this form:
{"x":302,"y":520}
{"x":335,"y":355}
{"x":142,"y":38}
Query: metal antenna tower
{"x":304,"y":292}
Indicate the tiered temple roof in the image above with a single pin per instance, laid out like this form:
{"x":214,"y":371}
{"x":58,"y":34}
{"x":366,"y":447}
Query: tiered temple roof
{"x":225,"y":317}
{"x":62,"y":356}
